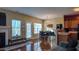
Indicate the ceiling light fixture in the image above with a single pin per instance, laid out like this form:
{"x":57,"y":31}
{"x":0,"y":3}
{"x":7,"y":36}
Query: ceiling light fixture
{"x":76,"y":9}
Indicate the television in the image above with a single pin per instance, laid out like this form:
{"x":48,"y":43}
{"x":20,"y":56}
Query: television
{"x":2,"y":19}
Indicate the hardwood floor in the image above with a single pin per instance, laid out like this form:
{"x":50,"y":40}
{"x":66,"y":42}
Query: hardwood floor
{"x":35,"y":48}
{"x":27,"y":47}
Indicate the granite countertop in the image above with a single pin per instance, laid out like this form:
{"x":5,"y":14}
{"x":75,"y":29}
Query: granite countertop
{"x":63,"y":33}
{"x":67,"y":33}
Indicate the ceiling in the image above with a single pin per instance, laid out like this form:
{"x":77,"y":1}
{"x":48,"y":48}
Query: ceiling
{"x":42,"y":12}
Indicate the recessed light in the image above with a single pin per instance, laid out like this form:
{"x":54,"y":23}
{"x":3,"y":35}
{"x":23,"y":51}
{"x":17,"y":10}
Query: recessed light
{"x":76,"y":9}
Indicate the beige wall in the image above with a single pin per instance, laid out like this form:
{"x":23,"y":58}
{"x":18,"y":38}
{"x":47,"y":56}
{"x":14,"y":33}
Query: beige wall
{"x":24,"y":19}
{"x":59,"y":20}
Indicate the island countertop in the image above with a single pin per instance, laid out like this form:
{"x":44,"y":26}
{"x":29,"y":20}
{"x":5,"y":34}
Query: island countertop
{"x":67,"y":33}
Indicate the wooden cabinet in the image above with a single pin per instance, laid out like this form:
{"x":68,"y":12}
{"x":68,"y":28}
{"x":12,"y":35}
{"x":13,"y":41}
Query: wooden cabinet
{"x":71,"y":21}
{"x":65,"y":36}
{"x":62,"y":37}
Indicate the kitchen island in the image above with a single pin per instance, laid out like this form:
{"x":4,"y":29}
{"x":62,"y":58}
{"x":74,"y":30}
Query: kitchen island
{"x":64,"y":36}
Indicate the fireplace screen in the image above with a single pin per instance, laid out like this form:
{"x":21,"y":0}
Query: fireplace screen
{"x":2,"y":40}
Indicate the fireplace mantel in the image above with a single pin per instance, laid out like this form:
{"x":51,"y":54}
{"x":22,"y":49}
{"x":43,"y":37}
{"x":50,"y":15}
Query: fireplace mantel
{"x":4,"y":27}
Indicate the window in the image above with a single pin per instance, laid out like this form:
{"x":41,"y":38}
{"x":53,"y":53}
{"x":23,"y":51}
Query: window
{"x":37,"y":27}
{"x":28,"y":30}
{"x":16,"y":28}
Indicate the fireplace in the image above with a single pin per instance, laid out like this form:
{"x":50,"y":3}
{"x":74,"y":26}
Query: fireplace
{"x":3,"y":36}
{"x":3,"y":30}
{"x":2,"y":39}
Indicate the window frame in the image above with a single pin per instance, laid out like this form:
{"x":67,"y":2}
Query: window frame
{"x":37,"y":28}
{"x":26,"y":29}
{"x":16,"y":28}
